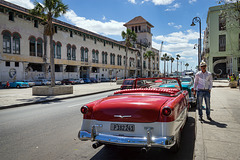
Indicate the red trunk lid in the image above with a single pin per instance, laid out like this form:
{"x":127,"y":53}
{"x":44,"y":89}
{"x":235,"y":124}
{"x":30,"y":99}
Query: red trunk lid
{"x":129,"y":108}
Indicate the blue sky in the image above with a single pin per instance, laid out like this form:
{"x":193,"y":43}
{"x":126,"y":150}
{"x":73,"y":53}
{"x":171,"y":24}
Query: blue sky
{"x":171,"y":20}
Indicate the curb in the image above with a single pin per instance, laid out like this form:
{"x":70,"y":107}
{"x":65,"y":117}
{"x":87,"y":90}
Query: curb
{"x":54,"y":99}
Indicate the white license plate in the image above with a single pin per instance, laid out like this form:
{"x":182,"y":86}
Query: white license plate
{"x":122,"y":127}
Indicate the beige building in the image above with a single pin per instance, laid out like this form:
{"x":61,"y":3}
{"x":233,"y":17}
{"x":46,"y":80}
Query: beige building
{"x":24,"y":49}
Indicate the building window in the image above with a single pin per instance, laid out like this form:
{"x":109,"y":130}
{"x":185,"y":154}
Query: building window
{"x":54,"y":49}
{"x":16,"y":43}
{"x":84,"y":37}
{"x":39,"y":47}
{"x":86,"y":55}
{"x":222,"y":23}
{"x":73,"y":53}
{"x":11,"y":16}
{"x":105,"y":58}
{"x":95,"y":41}
{"x":71,"y":34}
{"x":32,"y":46}
{"x":6,"y":42}
{"x":82,"y":54}
{"x":36,"y":23}
{"x":111,"y":58}
{"x":55,"y":27}
{"x":96,"y":58}
{"x":7,"y":64}
{"x":144,"y":64}
{"x":16,"y":64}
{"x":68,"y":52}
{"x":93,"y":56}
{"x":59,"y":50}
{"x":222,"y":43}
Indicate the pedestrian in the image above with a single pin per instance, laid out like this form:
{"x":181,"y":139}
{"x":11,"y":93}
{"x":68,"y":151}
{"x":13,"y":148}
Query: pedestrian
{"x":7,"y":84}
{"x":234,"y":77}
{"x":239,"y":79}
{"x":203,"y":86}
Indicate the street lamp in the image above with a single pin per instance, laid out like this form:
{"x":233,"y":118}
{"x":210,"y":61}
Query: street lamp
{"x":195,"y":20}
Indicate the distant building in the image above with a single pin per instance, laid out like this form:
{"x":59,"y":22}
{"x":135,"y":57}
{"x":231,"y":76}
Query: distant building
{"x":25,"y":51}
{"x":221,"y":44}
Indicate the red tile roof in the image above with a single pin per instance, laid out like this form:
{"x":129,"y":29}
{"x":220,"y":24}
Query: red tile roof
{"x":138,"y":20}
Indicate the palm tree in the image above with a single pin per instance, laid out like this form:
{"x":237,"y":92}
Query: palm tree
{"x":167,"y":59}
{"x":128,"y":36}
{"x":163,"y":58}
{"x":47,"y":11}
{"x":186,"y":65}
{"x":177,"y":58}
{"x":172,"y":59}
{"x":148,"y":55}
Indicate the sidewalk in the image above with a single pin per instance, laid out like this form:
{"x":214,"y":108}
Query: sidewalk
{"x":219,"y":139}
{"x":19,"y":97}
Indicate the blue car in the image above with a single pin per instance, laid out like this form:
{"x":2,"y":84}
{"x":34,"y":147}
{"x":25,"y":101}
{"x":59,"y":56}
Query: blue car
{"x":86,"y":80}
{"x":17,"y":84}
{"x":187,"y":83}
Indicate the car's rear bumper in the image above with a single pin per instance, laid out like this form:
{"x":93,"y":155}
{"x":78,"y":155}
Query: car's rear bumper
{"x":147,"y":141}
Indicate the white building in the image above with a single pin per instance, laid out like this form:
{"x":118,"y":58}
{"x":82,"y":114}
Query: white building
{"x":24,"y":49}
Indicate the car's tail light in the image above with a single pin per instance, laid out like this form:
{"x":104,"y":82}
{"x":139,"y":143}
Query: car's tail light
{"x":166,"y":111}
{"x":84,"y":109}
{"x":192,"y":89}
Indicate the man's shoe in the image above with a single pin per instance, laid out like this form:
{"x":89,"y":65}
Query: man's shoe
{"x":200,"y":119}
{"x":209,"y":118}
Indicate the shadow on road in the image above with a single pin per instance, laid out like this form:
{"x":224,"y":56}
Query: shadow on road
{"x":186,"y":151}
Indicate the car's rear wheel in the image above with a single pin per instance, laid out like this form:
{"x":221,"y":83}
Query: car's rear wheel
{"x":18,"y":86}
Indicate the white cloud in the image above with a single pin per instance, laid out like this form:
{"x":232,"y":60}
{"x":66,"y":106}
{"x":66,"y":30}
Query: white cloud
{"x":111,"y":27}
{"x":104,"y":18}
{"x":192,"y":1}
{"x":171,"y":24}
{"x":159,"y":2}
{"x":175,"y":26}
{"x":23,"y":3}
{"x":132,"y":1}
{"x":178,"y":26}
{"x":174,"y":7}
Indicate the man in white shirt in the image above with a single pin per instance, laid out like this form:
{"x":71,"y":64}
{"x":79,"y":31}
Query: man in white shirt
{"x":203,"y":86}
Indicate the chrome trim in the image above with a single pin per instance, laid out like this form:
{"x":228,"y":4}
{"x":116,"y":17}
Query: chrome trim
{"x":120,"y":116}
{"x":163,"y":142}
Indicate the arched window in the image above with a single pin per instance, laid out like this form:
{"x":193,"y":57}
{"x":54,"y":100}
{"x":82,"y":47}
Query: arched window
{"x":68,"y":52}
{"x":39,"y":47}
{"x":86,"y":55}
{"x":6,"y":42}
{"x":106,"y":57}
{"x":73,"y":52}
{"x":32,"y":45}
{"x":82,"y":54}
{"x":96,"y":58}
{"x":59,"y":45}
{"x":16,"y":43}
{"x":93,"y":56}
{"x":111,"y":60}
{"x":103,"y":57}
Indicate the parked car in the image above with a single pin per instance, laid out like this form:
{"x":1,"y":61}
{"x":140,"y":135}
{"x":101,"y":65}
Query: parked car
{"x":105,"y":80}
{"x":30,"y":83}
{"x":139,"y":117}
{"x":94,"y":80}
{"x":57,"y":82}
{"x":68,"y":81}
{"x":187,"y":83}
{"x":79,"y":81}
{"x":40,"y":82}
{"x":86,"y":80}
{"x":17,"y":84}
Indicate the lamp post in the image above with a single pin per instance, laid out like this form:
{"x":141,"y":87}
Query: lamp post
{"x":195,"y":20}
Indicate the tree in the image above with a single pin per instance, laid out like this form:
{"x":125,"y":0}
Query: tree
{"x":148,"y":55}
{"x":163,"y":58}
{"x":172,"y":60}
{"x":167,"y":59}
{"x":128,"y":36}
{"x":177,"y":58}
{"x":47,"y":11}
{"x":186,"y":65}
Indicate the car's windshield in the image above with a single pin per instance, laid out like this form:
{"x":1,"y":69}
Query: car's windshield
{"x":186,"y":79}
{"x":128,"y":82}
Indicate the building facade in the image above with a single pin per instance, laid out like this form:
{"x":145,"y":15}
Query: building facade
{"x":25,"y":50}
{"x":221,"y":44}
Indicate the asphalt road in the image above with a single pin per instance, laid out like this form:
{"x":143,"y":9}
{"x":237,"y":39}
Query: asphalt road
{"x":49,"y":131}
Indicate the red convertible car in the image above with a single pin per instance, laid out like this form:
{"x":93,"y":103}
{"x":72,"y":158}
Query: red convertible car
{"x":140,"y":117}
